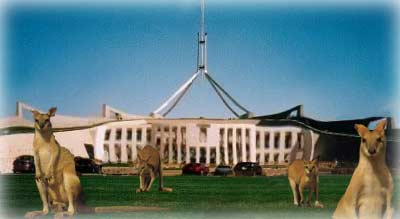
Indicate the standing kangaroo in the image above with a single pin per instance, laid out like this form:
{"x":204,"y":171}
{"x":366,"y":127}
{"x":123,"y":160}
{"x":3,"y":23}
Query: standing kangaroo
{"x":59,"y":186}
{"x":304,"y":174}
{"x":149,"y":165}
{"x":369,"y":193}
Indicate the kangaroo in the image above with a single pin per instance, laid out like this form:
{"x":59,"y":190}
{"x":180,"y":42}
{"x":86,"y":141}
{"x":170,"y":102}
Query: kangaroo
{"x":56,"y":179}
{"x":55,"y":175}
{"x":149,"y":165}
{"x":304,"y":174}
{"x":369,"y":194}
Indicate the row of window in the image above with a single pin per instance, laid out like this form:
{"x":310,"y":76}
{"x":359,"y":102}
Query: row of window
{"x":192,"y":154}
{"x":139,"y":133}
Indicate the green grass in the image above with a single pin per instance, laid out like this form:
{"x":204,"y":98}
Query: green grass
{"x":193,"y":196}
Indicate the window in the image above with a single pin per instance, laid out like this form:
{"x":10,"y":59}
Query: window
{"x":192,"y":154}
{"x":286,"y":157}
{"x":129,"y":152}
{"x":118,"y":134}
{"x":118,"y":152}
{"x":129,"y":134}
{"x":266,"y":140}
{"x":276,"y":140}
{"x":257,"y":140}
{"x":266,"y":158}
{"x":300,"y":140}
{"x":139,"y":135}
{"x":288,"y":140}
{"x":148,"y":134}
{"x":107,"y":135}
{"x":276,"y":157}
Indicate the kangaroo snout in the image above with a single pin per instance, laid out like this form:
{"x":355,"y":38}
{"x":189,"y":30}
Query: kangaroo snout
{"x":372,"y":151}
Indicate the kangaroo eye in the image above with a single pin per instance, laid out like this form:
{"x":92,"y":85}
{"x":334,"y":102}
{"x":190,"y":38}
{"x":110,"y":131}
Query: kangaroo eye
{"x":379,"y":139}
{"x":363,"y":140}
{"x":36,"y":120}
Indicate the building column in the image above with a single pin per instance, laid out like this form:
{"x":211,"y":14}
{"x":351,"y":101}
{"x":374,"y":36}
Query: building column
{"x":243,"y":143}
{"x":262,"y":147}
{"x":271,"y":146}
{"x":217,"y":149}
{"x":124,"y":153}
{"x":197,"y":154}
{"x":163,"y":142}
{"x":134,"y":145}
{"x":179,"y":144}
{"x":170,"y":149}
{"x":282,"y":147}
{"x":252,"y":144}
{"x":293,"y":136}
{"x":99,"y":143}
{"x":111,"y":146}
{"x":144,"y":137}
{"x":153,"y":135}
{"x":226,"y":154}
{"x":234,"y":153}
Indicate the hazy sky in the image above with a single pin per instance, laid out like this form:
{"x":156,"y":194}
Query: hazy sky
{"x":337,"y":61}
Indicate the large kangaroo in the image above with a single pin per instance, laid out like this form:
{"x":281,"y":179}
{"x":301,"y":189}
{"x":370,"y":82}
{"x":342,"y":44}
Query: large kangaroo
{"x":369,"y":194}
{"x":55,"y":176}
{"x":150,"y":165}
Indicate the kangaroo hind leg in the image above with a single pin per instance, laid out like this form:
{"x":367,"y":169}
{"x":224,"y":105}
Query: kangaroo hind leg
{"x":72,"y":189}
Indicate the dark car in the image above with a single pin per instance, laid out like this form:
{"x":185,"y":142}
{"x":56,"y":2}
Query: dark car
{"x":247,"y":169}
{"x":223,"y":170}
{"x":86,"y":165}
{"x":195,"y":169}
{"x":24,"y":164}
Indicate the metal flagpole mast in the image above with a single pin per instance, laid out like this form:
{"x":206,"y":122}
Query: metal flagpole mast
{"x":202,"y":44}
{"x":202,"y":69}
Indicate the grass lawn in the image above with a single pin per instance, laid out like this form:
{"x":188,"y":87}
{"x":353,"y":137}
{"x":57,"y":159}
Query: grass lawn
{"x":193,"y":196}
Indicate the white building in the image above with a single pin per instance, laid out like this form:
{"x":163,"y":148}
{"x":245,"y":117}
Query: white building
{"x":210,"y":141}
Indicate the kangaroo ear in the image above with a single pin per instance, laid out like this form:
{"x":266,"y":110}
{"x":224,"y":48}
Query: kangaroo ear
{"x":52,"y":111}
{"x":380,"y":127}
{"x":361,"y":129}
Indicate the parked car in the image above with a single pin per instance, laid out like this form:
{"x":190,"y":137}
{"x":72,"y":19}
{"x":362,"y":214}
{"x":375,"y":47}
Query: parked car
{"x":24,"y":164}
{"x":86,"y":165}
{"x":195,"y":168}
{"x":343,"y":167}
{"x":223,"y":170}
{"x":247,"y":169}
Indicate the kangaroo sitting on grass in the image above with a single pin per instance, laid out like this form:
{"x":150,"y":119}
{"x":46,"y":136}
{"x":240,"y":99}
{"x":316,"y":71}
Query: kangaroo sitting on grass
{"x":369,"y":194}
{"x":304,"y":174}
{"x":149,"y":165}
{"x":55,"y":175}
{"x":56,"y":179}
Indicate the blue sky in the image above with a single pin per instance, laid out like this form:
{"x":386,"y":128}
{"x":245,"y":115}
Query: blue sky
{"x":337,"y":61}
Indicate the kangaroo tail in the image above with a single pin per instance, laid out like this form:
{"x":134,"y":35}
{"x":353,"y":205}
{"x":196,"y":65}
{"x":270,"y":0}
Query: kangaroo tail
{"x":82,"y":207}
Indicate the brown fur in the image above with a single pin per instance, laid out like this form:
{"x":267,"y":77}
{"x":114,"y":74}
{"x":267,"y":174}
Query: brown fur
{"x":304,"y":174}
{"x":369,"y":193}
{"x":56,"y":179}
{"x":55,"y":175}
{"x":150,"y":165}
